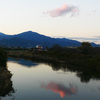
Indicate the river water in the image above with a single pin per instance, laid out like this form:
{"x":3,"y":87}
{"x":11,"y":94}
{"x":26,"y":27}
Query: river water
{"x":39,"y":81}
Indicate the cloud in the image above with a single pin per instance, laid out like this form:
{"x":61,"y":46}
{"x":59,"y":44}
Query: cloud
{"x":63,"y":10}
{"x":60,"y":89}
{"x":95,"y":39}
{"x":94,"y":13}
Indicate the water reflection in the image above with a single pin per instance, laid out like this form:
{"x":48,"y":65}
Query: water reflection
{"x":60,"y":89}
{"x":85,"y":74}
{"x":55,"y":86}
{"x":5,"y":83}
{"x":23,"y":62}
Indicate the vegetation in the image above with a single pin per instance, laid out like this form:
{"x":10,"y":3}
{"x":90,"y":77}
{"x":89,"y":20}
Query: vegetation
{"x":85,"y":56}
{"x":5,"y":83}
{"x":85,"y":74}
{"x":84,"y":59}
{"x":3,"y":58}
{"x":5,"y":76}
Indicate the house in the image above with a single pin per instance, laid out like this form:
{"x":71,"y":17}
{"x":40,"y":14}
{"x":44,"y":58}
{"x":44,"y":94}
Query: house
{"x":39,"y":48}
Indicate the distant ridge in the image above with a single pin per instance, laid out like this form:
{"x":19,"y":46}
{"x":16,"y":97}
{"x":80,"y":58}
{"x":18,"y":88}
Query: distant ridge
{"x":31,"y":39}
{"x":2,"y":34}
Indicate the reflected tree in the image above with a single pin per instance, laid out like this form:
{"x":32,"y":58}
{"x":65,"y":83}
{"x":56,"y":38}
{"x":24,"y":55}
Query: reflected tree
{"x":85,"y":74}
{"x":84,"y":77}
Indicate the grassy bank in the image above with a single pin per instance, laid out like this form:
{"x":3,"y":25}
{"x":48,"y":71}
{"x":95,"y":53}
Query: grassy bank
{"x":83,"y":58}
{"x":77,"y":59}
{"x":87,"y":66}
{"x":35,"y":56}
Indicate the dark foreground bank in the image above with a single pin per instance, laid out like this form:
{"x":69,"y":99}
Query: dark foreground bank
{"x":3,"y":58}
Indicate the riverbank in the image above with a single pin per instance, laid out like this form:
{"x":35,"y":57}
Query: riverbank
{"x":86,"y":66}
{"x":6,"y":86}
{"x":36,"y":56}
{"x":83,"y":72}
{"x":3,"y":58}
{"x":79,"y":60}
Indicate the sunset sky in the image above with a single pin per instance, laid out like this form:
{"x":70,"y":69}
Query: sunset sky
{"x":61,"y":18}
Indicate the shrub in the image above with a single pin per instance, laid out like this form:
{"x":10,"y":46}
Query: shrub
{"x":3,"y":58}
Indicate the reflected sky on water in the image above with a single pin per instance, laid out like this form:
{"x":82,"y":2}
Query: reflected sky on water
{"x":41,"y":82}
{"x":60,"y":89}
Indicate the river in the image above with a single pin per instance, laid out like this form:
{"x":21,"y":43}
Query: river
{"x":40,"y":81}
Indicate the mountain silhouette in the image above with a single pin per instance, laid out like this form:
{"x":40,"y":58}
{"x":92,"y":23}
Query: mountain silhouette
{"x":2,"y":34}
{"x":31,"y":39}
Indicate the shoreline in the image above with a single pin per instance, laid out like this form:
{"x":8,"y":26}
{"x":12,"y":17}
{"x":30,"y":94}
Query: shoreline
{"x":84,"y":72}
{"x":36,"y":57}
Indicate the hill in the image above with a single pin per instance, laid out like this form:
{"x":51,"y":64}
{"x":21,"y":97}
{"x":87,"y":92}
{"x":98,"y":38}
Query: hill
{"x":31,"y":39}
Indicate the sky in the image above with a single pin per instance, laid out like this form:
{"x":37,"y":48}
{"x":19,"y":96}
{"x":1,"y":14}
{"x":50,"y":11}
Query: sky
{"x":55,"y":18}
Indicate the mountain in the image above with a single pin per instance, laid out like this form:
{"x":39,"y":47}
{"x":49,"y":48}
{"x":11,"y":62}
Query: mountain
{"x":31,"y":39}
{"x":2,"y":34}
{"x":17,"y":42}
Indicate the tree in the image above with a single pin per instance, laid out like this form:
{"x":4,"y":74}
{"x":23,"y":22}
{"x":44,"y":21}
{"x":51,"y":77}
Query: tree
{"x":86,"y":48}
{"x":86,"y":45}
{"x":3,"y":58}
{"x":56,"y":47}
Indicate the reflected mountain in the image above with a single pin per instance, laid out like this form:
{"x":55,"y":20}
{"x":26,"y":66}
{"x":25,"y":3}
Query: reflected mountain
{"x":26,"y":63}
{"x":5,"y":83}
{"x":60,"y":89}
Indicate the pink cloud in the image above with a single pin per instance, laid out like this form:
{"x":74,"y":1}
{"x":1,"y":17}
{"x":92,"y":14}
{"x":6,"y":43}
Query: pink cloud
{"x":63,"y":10}
{"x":60,"y":89}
